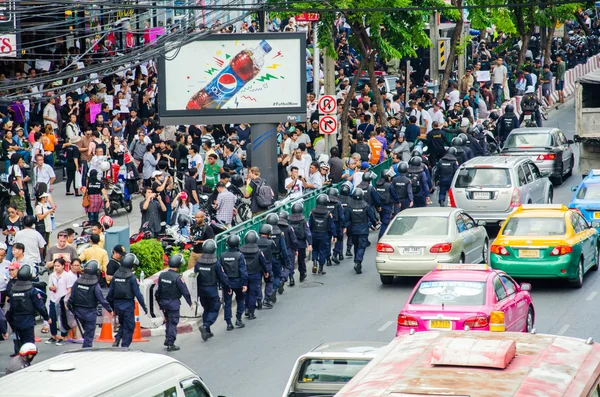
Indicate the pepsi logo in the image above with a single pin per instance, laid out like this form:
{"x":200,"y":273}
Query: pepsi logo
{"x":227,"y":83}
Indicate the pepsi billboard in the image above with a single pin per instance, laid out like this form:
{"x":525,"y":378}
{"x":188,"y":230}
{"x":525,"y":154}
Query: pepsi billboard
{"x":235,"y":78}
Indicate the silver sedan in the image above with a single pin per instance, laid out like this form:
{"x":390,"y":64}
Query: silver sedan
{"x":418,"y":239}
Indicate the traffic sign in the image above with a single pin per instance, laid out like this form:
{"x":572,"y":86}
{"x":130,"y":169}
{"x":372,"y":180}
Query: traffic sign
{"x":327,"y":104}
{"x":327,"y":125}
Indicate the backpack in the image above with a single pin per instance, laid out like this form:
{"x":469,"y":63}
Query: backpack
{"x":264,"y":195}
{"x":363,"y":149}
{"x":529,"y":104}
{"x":415,"y":179}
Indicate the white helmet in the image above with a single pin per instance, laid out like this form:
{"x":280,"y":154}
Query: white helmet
{"x":529,"y":90}
{"x":28,"y":349}
{"x":105,"y":166}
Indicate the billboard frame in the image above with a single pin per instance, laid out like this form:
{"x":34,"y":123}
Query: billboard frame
{"x":236,"y":116}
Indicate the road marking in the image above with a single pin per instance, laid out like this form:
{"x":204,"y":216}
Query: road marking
{"x":592,"y":296}
{"x":385,"y":326}
{"x":563,"y":329}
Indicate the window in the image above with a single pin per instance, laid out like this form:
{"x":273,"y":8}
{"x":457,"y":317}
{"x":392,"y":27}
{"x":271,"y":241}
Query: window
{"x":194,"y":388}
{"x":595,"y":391}
{"x":535,"y":171}
{"x":521,"y":226}
{"x":583,"y":223}
{"x":528,"y":140}
{"x":418,"y":225}
{"x":469,"y":222}
{"x":510,"y":285}
{"x":575,"y":223}
{"x":314,"y":371}
{"x":499,"y":289}
{"x":460,"y":224}
{"x":522,"y":178}
{"x":563,"y":138}
{"x":450,"y":293}
{"x":589,"y":192}
{"x":170,"y":392}
{"x":483,"y":177}
{"x":528,"y":174}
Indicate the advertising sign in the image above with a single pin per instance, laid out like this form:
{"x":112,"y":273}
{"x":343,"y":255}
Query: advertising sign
{"x":235,"y":78}
{"x":9,"y":29}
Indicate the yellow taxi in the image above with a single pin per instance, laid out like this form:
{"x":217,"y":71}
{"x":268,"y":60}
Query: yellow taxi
{"x":546,"y":241}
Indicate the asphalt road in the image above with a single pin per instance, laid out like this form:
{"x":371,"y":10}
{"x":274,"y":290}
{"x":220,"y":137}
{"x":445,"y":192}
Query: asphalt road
{"x":342,"y":306}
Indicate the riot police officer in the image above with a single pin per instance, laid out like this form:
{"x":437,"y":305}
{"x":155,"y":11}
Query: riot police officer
{"x":418,"y":180}
{"x":257,"y":268}
{"x":335,"y":208}
{"x":210,"y":275}
{"x":369,"y":193}
{"x":466,"y":144}
{"x":291,"y":243}
{"x":279,"y":255}
{"x":344,"y":197}
{"x":233,"y":263}
{"x":322,"y":229}
{"x":267,"y":246}
{"x":122,"y":293}
{"x":388,"y":197}
{"x":85,"y":296}
{"x":303,"y":235}
{"x":403,"y":188}
{"x":171,"y":287}
{"x":25,"y":302}
{"x":359,"y":218}
{"x":446,"y":168}
{"x":460,"y":155}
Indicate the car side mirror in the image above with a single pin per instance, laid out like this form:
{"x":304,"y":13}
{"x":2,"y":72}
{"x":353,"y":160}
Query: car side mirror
{"x":577,"y":138}
{"x":481,"y":223}
{"x":570,"y":141}
{"x":525,"y":287}
{"x":573,"y":188}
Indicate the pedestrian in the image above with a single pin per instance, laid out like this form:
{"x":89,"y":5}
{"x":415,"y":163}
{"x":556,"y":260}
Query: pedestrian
{"x":72,"y":162}
{"x":210,"y":275}
{"x":322,"y":228}
{"x":257,"y":268}
{"x":233,"y":263}
{"x":33,"y":242}
{"x":95,"y":192}
{"x":344,"y":197}
{"x":279,"y":255}
{"x":122,"y":293}
{"x":58,"y":289}
{"x":225,"y":205}
{"x":303,"y":235}
{"x":23,"y":359}
{"x":151,"y":209}
{"x":336,"y":210}
{"x":84,"y":299}
{"x":17,"y":183}
{"x":389,"y":199}
{"x":291,"y":243}
{"x":97,"y":253}
{"x":171,"y":287}
{"x":359,"y":218}
{"x":44,"y":212}
{"x":4,"y":272}
{"x":150,"y":163}
{"x":403,"y":187}
{"x":370,"y":194}
{"x":267,"y":247}
{"x":12,"y":224}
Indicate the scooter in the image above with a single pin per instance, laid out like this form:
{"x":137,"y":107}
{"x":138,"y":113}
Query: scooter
{"x":118,"y":196}
{"x":144,"y":234}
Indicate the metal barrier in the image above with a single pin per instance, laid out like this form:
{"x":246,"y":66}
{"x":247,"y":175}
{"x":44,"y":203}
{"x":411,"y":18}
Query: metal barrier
{"x":309,"y":200}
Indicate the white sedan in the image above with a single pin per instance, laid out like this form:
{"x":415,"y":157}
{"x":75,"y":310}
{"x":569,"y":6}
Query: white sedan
{"x":418,"y":239}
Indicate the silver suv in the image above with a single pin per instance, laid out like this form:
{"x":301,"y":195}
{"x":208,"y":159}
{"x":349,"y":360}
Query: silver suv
{"x":490,"y":188}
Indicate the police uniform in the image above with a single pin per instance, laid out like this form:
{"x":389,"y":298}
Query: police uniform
{"x":291,"y":243}
{"x":322,"y":229}
{"x":371,"y":197}
{"x":446,"y":168}
{"x":420,"y":185}
{"x":279,"y":258}
{"x":210,"y":275}
{"x":85,"y":296}
{"x":266,"y":246}
{"x":256,"y":265}
{"x":335,"y":209}
{"x":344,"y":200}
{"x":304,"y":236}
{"x":25,"y":302}
{"x":359,"y":218}
{"x":171,"y":288}
{"x":234,"y":266}
{"x":403,"y":188}
{"x":122,"y":293}
{"x":389,"y":197}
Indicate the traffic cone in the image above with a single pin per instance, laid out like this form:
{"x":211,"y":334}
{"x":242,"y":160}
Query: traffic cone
{"x":137,"y":332}
{"x":106,"y":334}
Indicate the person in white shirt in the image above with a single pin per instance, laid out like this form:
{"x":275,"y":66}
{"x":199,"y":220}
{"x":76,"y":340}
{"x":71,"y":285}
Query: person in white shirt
{"x":43,"y":172}
{"x":58,"y":288}
{"x":301,"y":161}
{"x":50,"y":115}
{"x":437,"y":114}
{"x":425,"y":117}
{"x":314,"y":181}
{"x":195,"y":160}
{"x":4,"y":277}
{"x":32,"y":240}
{"x":453,"y":96}
{"x":291,"y":143}
{"x":499,"y":77}
{"x":293,"y":184}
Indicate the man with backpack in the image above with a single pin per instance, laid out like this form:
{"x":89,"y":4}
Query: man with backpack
{"x":361,"y":148}
{"x":418,"y":180}
{"x":260,"y":193}
{"x":531,"y":105}
{"x":506,"y":123}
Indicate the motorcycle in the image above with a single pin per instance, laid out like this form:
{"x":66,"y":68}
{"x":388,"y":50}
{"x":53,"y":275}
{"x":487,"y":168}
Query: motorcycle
{"x":529,"y":119}
{"x":242,"y":205}
{"x":144,"y":234}
{"x":82,"y":240}
{"x":118,"y":196}
{"x":173,"y":237}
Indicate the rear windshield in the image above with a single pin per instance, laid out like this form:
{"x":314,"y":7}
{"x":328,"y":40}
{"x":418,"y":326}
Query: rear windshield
{"x":329,"y":371}
{"x":418,"y":226}
{"x":535,"y":227}
{"x":590,"y":192}
{"x":483,"y":177}
{"x":533,"y":140}
{"x":450,"y":293}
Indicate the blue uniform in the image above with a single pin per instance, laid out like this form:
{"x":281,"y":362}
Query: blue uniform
{"x":337,"y":211}
{"x":300,"y":226}
{"x":238,"y":278}
{"x":403,"y":187}
{"x":25,"y":302}
{"x":267,"y":246}
{"x":279,"y":259}
{"x":210,"y":275}
{"x":323,"y":230}
{"x":420,"y":196}
{"x":84,"y":308}
{"x":125,"y":307}
{"x":171,"y":288}
{"x":389,"y":198}
{"x":359,"y":218}
{"x":446,"y":167}
{"x":291,"y":242}
{"x":256,"y":271}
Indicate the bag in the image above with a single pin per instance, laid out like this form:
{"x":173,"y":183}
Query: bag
{"x":264,"y":195}
{"x":40,"y":226}
{"x":415,"y":180}
{"x":86,"y":202}
{"x":78,"y":178}
{"x":529,"y":104}
{"x":12,"y":182}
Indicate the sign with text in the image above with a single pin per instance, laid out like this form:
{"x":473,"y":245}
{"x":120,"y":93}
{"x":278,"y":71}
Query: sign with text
{"x":307,"y":17}
{"x":9,"y":29}
{"x":8,"y":45}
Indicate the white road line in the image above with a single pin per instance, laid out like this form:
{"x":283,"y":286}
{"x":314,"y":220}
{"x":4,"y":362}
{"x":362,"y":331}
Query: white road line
{"x":385,"y":326}
{"x":563,"y":329}
{"x":592,"y":296}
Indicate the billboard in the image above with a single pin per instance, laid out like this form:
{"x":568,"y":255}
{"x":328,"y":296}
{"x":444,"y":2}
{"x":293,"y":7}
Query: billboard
{"x":235,"y":78}
{"x":9,"y":29}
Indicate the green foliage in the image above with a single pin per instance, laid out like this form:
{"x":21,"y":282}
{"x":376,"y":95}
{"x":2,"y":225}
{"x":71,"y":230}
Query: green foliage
{"x":150,"y":253}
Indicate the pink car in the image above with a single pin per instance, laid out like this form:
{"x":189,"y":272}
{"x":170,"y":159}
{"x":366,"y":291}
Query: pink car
{"x":454,"y":297}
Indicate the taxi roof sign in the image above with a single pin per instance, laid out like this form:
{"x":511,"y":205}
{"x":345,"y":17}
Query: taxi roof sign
{"x":463,"y":266}
{"x":542,"y":207}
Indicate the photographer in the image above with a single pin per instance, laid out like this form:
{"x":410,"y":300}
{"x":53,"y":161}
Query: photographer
{"x":231,"y":163}
{"x":294,"y":184}
{"x":151,"y":209}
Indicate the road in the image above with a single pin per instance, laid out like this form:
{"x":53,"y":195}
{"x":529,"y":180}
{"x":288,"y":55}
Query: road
{"x":342,"y":306}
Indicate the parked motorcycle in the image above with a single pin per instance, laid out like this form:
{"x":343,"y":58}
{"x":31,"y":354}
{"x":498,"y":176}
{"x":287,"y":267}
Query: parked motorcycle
{"x":144,"y":234}
{"x":118,"y":195}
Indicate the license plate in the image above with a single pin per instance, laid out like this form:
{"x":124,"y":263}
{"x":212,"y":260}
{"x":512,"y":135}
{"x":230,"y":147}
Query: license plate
{"x":413,"y":250}
{"x":529,"y":253}
{"x":481,"y":195}
{"x":596,"y":215}
{"x":440,"y":324}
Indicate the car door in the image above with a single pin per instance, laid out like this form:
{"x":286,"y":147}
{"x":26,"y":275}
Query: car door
{"x":479,"y":235}
{"x":578,"y":237}
{"x":567,"y":151}
{"x":588,"y":241}
{"x":539,"y":181}
{"x":514,"y":319}
{"x":502,"y":300}
{"x":466,"y":237}
{"x":532,"y":185}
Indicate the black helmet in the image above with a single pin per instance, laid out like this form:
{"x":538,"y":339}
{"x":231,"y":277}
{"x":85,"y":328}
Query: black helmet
{"x":237,"y":180}
{"x":415,"y":153}
{"x":297,"y":208}
{"x":463,"y":137}
{"x":91,"y":267}
{"x":272,"y":219}
{"x":209,"y":247}
{"x":333,"y":192}
{"x":176,"y":261}
{"x":416,"y":161}
{"x":283,"y":214}
{"x":233,"y":241}
{"x":457,"y":142}
{"x":403,"y":167}
{"x":494,"y":116}
{"x":509,"y":109}
{"x":345,"y":190}
{"x":26,"y":273}
{"x":266,"y":229}
{"x":358,"y":194}
{"x":323,"y":199}
{"x":129,"y":261}
{"x":251,"y":237}
{"x":452,"y":151}
{"x":367,"y":176}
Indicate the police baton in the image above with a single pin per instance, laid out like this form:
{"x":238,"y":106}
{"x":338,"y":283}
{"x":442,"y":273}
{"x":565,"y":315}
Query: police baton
{"x":78,"y":326}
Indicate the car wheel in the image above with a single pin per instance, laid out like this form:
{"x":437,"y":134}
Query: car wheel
{"x":571,"y":165}
{"x":578,"y":283}
{"x":550,"y":196}
{"x":485,"y":252}
{"x":530,"y":320}
{"x":386,"y":280}
{"x":462,"y":259}
{"x":597,"y":265}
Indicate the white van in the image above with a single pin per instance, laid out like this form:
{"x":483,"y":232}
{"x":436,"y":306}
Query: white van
{"x":105,"y":373}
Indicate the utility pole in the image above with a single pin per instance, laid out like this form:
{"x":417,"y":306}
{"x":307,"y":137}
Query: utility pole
{"x":461,"y":57}
{"x":316,"y":63}
{"x":434,"y":36}
{"x":329,"y":77}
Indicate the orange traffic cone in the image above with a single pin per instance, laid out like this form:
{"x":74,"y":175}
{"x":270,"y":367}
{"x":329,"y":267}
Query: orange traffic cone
{"x":137,"y":332}
{"x":106,"y":334}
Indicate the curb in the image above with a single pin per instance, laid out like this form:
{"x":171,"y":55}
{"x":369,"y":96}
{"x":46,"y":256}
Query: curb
{"x":182,"y":328}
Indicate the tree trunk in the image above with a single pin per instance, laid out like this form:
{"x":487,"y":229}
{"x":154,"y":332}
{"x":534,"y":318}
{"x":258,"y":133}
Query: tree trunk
{"x":548,"y":46}
{"x":452,"y":55}
{"x":581,"y":23}
{"x":376,"y":92}
{"x":524,"y":44}
{"x":346,"y":110}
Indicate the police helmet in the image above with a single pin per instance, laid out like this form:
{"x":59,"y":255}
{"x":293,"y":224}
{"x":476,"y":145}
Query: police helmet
{"x":129,"y":261}
{"x":415,"y":152}
{"x":209,"y":247}
{"x":333,"y":192}
{"x":283,"y":215}
{"x":297,"y":208}
{"x":367,"y":176}
{"x":91,"y":267}
{"x":233,"y":241}
{"x":237,"y":180}
{"x":457,"y":142}
{"x":346,"y":189}
{"x":509,"y":109}
{"x":265,"y":229}
{"x":251,"y":237}
{"x":358,"y":194}
{"x":26,"y":273}
{"x":452,"y":151}
{"x":494,"y":115}
{"x":464,"y":137}
{"x":323,"y":199}
{"x":416,"y":161}
{"x":403,"y":167}
{"x":176,"y":261}
{"x":272,"y":219}
{"x":28,"y":349}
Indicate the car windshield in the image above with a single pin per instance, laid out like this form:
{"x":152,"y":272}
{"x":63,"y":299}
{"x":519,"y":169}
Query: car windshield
{"x":450,"y":293}
{"x":533,"y":140}
{"x":483,"y":177}
{"x":329,"y":371}
{"x":419,"y":226}
{"x":535,"y":227}
{"x":589,"y":192}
